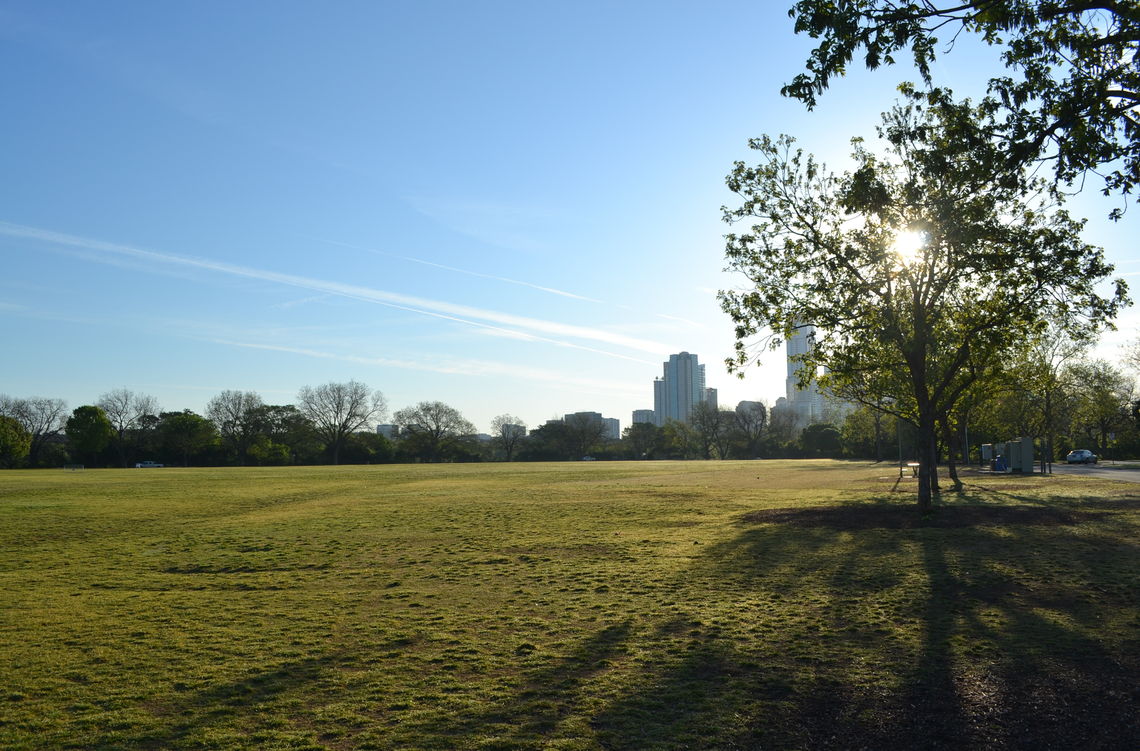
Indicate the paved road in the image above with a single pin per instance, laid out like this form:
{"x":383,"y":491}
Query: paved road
{"x":1103,"y":471}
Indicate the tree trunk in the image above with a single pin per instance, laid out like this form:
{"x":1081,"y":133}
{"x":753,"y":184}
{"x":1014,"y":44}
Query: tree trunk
{"x":948,"y":432}
{"x":927,"y":468}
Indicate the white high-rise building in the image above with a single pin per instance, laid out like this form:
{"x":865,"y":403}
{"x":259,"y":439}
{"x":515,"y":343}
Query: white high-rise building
{"x":681,"y":387}
{"x":807,"y":402}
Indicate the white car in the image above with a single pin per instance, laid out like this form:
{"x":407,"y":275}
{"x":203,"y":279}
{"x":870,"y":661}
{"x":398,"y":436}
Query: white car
{"x":146,"y":465}
{"x":1081,"y":456}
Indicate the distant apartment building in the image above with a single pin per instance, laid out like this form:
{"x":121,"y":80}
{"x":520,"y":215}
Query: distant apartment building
{"x":642,"y":415}
{"x":391,"y":432}
{"x":680,"y":388}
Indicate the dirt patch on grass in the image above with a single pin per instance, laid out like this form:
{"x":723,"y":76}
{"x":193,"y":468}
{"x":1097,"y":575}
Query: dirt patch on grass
{"x":853,"y":517}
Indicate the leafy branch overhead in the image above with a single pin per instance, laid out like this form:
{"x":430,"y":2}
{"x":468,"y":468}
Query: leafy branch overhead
{"x":1073,"y":86}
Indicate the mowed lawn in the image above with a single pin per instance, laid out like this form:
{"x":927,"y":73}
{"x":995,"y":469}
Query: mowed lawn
{"x":657,"y":605}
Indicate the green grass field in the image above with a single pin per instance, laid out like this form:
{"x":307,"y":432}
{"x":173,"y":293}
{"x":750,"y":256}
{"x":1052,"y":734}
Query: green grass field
{"x":726,"y":605}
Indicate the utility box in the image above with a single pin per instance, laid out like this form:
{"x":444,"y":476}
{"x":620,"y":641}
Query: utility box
{"x":1019,"y":455}
{"x":987,"y":453}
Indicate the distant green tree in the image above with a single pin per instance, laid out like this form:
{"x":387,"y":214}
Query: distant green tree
{"x":679,"y":440}
{"x":89,"y":431}
{"x":864,"y":433}
{"x":236,"y":416}
{"x":15,"y":442}
{"x":1104,"y":402}
{"x":642,"y":440}
{"x":285,"y":425}
{"x":186,"y":433}
{"x":266,"y":452}
{"x":432,"y":430}
{"x":821,"y":440}
{"x":548,"y":442}
{"x":365,"y":447}
{"x":42,"y":418}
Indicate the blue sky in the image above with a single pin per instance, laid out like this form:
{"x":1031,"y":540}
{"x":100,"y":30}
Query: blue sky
{"x":510,"y":207}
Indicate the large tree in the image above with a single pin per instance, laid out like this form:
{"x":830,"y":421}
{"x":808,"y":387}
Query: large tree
{"x":432,"y":428}
{"x":712,"y":427}
{"x":186,"y":433}
{"x":89,"y":430}
{"x":642,"y":439}
{"x":1074,"y":85}
{"x":920,"y":272}
{"x":508,"y":431}
{"x":14,"y":442}
{"x":584,"y":434}
{"x":1104,"y":401}
{"x":285,"y":436}
{"x":236,"y":414}
{"x":125,"y":409}
{"x":751,"y":420}
{"x":41,"y":417}
{"x":339,"y":409}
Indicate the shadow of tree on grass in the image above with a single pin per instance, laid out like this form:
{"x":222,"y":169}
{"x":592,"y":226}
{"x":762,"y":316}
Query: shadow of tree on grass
{"x":1002,"y":612}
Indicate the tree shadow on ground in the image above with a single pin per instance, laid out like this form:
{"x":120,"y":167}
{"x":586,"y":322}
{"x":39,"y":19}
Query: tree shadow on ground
{"x":227,"y":705}
{"x":548,"y":693}
{"x":981,"y":626}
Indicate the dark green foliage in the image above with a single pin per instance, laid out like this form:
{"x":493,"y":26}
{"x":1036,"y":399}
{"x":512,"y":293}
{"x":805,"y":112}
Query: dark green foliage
{"x":1074,"y":81}
{"x":367,"y":448}
{"x":15,"y":442}
{"x":185,"y":434}
{"x":643,"y":440}
{"x":89,"y":431}
{"x":821,"y":441}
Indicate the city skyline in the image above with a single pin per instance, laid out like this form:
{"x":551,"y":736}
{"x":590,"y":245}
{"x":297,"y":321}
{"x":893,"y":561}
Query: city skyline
{"x":512,"y":209}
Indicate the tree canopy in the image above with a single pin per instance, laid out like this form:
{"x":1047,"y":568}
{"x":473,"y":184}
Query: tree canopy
{"x":1074,"y":88}
{"x":433,"y":428}
{"x":339,"y":409}
{"x":89,"y":430}
{"x":14,"y":442}
{"x":912,"y":323}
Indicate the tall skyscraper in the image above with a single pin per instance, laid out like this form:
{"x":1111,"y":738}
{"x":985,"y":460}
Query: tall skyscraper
{"x":807,"y":401}
{"x":681,"y":387}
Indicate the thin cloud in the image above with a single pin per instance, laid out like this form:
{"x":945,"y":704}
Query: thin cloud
{"x":667,"y":317}
{"x":468,"y":272}
{"x":464,"y":367}
{"x":488,"y":319}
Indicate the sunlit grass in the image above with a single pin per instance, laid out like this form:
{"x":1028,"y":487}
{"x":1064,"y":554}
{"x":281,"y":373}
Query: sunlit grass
{"x":624,"y":605}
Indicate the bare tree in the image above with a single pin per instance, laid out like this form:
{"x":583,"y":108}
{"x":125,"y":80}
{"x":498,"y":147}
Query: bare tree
{"x":41,"y":417}
{"x":712,"y":426}
{"x":508,"y":432}
{"x":339,"y":409}
{"x":236,"y":414}
{"x":1132,"y":355}
{"x":432,"y":427}
{"x":584,"y":432}
{"x":751,"y":422}
{"x":124,"y":408}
